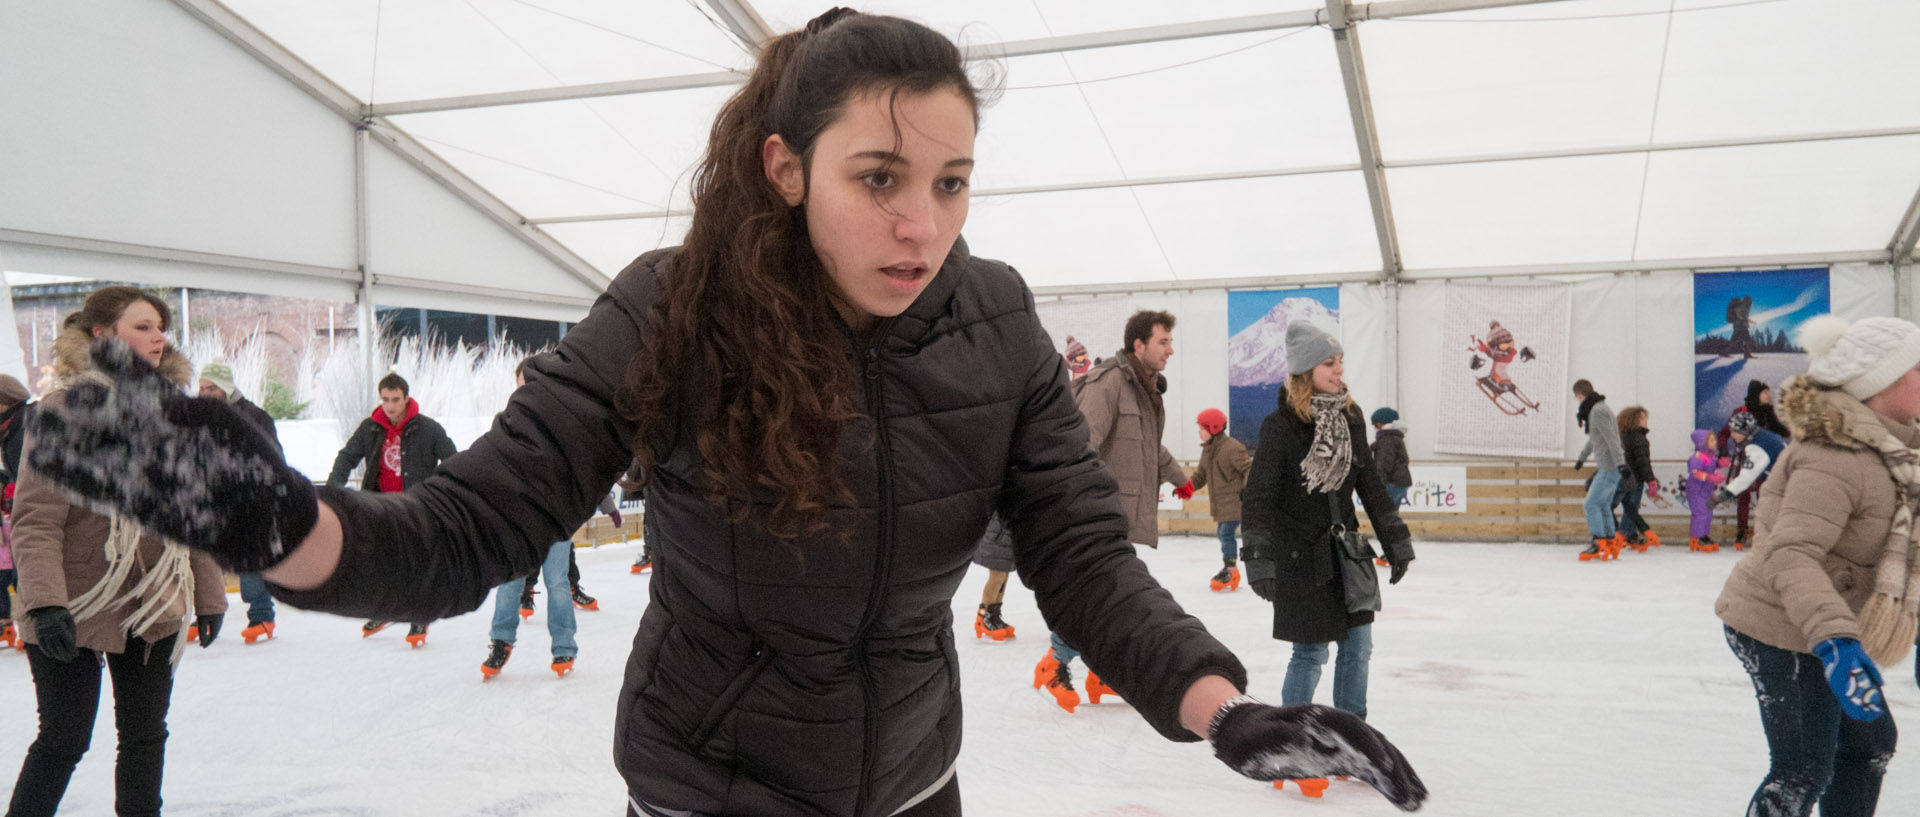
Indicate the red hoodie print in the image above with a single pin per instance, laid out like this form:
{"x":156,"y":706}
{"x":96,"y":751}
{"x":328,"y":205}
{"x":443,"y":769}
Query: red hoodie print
{"x":390,"y":476}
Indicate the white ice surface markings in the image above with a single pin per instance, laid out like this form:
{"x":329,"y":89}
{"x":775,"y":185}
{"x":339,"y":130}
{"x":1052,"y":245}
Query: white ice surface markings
{"x":1518,"y":680}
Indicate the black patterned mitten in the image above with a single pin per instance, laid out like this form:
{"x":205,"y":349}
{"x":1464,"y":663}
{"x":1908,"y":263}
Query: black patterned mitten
{"x":1297,"y":742}
{"x":188,"y":468}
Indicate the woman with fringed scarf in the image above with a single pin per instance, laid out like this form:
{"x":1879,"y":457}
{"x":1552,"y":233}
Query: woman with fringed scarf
{"x":1830,"y":591}
{"x":99,"y":588}
{"x":1312,"y":458}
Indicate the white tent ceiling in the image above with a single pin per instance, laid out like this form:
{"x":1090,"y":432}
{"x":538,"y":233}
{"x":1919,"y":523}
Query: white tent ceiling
{"x":522,"y":151}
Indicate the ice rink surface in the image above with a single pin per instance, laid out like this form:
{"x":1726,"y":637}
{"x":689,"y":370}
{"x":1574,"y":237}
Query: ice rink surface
{"x":1518,"y":680}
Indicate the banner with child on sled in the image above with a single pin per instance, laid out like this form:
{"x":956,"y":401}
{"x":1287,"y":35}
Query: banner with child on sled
{"x":1503,"y":371}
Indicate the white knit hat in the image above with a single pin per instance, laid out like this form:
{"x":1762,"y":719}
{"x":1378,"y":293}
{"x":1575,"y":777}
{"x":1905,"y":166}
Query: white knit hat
{"x":1861,"y":357}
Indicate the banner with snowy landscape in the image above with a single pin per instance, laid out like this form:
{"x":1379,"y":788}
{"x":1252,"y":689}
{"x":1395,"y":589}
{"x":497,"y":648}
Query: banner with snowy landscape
{"x":1257,"y":349}
{"x":1743,"y":330}
{"x":1503,"y":371}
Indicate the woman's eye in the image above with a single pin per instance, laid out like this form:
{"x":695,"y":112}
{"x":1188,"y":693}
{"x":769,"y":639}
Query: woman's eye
{"x":878,"y":180}
{"x":953,"y":185}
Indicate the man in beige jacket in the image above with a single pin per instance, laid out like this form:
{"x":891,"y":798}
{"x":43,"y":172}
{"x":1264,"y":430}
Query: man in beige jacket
{"x":1126,"y":419}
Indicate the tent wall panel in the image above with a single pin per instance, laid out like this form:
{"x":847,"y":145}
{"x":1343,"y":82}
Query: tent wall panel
{"x":136,"y":123}
{"x":163,"y":273}
{"x":418,"y":229}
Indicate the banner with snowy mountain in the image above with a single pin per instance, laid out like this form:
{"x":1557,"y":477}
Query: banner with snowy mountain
{"x":1503,"y":371}
{"x":1743,"y":329}
{"x":1257,"y":349}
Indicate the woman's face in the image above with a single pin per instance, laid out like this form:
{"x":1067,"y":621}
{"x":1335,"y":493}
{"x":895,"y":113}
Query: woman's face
{"x":886,"y":195}
{"x":1766,"y":397}
{"x":1643,"y":420}
{"x":1901,"y":400}
{"x":1327,"y":375}
{"x":139,"y":328}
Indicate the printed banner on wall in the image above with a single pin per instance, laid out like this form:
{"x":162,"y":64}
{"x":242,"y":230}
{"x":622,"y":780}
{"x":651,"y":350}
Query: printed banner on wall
{"x":1435,"y":489}
{"x":1096,"y":323}
{"x":1503,"y":371}
{"x":1257,"y":349}
{"x":1743,"y":331}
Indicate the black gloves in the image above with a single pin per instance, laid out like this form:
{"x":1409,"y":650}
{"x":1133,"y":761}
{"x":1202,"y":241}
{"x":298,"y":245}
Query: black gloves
{"x":190,"y":469}
{"x":1294,"y":742}
{"x":1400,"y":556}
{"x":1257,"y":555}
{"x":209,"y":627}
{"x":1626,"y":473}
{"x":54,"y":632}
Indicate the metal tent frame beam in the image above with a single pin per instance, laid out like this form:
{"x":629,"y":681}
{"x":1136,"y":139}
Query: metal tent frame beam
{"x":1381,"y":10}
{"x":276,"y":56}
{"x":1906,"y":236}
{"x":741,"y":18}
{"x":1386,"y":164}
{"x":1353,"y":74}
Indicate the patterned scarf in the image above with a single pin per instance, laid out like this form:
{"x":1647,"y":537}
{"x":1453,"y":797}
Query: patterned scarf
{"x":1891,"y":617}
{"x":1332,"y":451}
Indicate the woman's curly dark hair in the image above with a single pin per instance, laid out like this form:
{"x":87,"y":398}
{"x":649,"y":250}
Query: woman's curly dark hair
{"x":743,"y":325}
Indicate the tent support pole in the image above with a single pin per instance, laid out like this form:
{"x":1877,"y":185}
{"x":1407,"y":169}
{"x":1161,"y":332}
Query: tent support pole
{"x":1353,"y":74}
{"x":361,"y":256}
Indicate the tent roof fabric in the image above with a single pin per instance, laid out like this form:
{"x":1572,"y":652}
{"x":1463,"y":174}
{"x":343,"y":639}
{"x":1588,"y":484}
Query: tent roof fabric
{"x":1133,"y":144}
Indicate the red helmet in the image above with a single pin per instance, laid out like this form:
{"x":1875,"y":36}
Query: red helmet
{"x":1213,"y":420}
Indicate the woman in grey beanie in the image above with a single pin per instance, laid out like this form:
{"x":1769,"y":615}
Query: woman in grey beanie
{"x":1311,"y":461}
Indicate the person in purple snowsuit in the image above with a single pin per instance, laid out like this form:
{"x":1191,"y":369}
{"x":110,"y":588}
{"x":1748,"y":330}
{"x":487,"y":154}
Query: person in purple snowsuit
{"x":1703,"y":476}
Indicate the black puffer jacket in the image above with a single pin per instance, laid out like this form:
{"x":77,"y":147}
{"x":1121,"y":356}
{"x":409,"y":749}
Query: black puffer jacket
{"x":1639,"y":455}
{"x":1290,"y":527}
{"x":817,"y":677}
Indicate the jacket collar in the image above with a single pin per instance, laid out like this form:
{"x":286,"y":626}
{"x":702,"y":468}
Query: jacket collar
{"x":380,"y":416}
{"x":912,"y":327}
{"x":72,"y":356}
{"x":1835,"y":418}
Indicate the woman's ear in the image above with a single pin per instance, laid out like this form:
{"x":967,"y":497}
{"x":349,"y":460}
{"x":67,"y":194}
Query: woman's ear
{"x":99,"y":332}
{"x":784,"y":169}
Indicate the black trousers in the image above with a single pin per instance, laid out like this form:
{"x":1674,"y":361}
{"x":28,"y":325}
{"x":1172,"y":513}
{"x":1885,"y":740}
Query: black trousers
{"x":1819,"y":755}
{"x":69,"y":697}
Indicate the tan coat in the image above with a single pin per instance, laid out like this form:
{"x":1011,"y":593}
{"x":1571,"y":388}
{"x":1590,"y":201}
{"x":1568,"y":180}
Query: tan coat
{"x":1223,"y":472}
{"x":1822,"y":527}
{"x":1126,"y":433}
{"x":59,"y":548}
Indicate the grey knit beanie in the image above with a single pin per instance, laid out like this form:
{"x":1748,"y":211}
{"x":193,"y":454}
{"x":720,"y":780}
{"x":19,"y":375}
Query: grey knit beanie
{"x":1308,"y":346}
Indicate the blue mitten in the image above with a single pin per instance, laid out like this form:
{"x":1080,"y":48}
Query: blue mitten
{"x":1853,"y":677}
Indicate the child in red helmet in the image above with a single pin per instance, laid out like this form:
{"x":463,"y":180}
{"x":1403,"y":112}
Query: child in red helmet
{"x":1223,"y":464}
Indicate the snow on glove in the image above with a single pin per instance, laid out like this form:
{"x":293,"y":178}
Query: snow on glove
{"x":190,"y":469}
{"x":1295,"y":742}
{"x":1853,"y":677}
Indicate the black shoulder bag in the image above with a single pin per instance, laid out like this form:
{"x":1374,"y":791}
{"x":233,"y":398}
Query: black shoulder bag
{"x":1357,"y":572}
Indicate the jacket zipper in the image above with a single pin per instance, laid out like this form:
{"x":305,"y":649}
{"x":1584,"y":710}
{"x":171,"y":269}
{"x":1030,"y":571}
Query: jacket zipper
{"x":882,"y":564}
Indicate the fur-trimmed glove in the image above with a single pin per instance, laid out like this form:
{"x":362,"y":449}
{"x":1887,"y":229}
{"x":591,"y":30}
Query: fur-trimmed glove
{"x":1295,"y":742}
{"x":188,"y":468}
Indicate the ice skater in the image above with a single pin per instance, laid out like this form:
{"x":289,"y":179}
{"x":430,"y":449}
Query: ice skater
{"x":1704,"y":476}
{"x":826,"y":395}
{"x":1828,"y":595}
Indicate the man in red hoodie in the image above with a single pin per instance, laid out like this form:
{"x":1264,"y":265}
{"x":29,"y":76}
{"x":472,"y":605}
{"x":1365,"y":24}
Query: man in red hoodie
{"x":400,"y":447}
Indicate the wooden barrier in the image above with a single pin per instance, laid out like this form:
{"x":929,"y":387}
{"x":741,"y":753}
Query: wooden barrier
{"x":1506,"y":501}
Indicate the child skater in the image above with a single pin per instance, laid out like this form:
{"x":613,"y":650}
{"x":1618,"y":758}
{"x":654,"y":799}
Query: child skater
{"x":1703,"y":476}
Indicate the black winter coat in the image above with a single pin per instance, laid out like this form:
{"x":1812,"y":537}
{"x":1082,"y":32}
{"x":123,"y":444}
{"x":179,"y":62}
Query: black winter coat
{"x":1639,"y":455}
{"x":264,"y":421}
{"x":1390,"y":458}
{"x":1290,"y":527}
{"x":424,"y":444}
{"x":815,"y":677}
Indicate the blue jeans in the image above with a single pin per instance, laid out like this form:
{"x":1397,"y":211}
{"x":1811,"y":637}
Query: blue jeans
{"x":1398,"y":493}
{"x":1599,"y":506}
{"x":1349,"y":672}
{"x":560,"y":623}
{"x":1628,"y":497}
{"x":1229,"y":547}
{"x":1061,"y":651}
{"x":253,"y":591}
{"x":1819,"y":755}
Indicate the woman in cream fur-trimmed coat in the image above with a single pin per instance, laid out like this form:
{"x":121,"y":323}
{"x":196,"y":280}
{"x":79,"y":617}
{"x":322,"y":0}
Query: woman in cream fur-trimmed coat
{"x":99,"y":589}
{"x":1827,"y":594}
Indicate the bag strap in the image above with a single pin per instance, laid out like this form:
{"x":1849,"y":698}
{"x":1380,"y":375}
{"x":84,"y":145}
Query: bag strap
{"x":1338,"y":523}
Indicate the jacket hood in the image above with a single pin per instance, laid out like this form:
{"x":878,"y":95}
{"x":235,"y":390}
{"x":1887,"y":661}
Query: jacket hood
{"x":1833,"y":417}
{"x":380,"y":415}
{"x":72,"y":356}
{"x":1754,"y":388}
{"x":1393,"y":429}
{"x":1700,"y":436}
